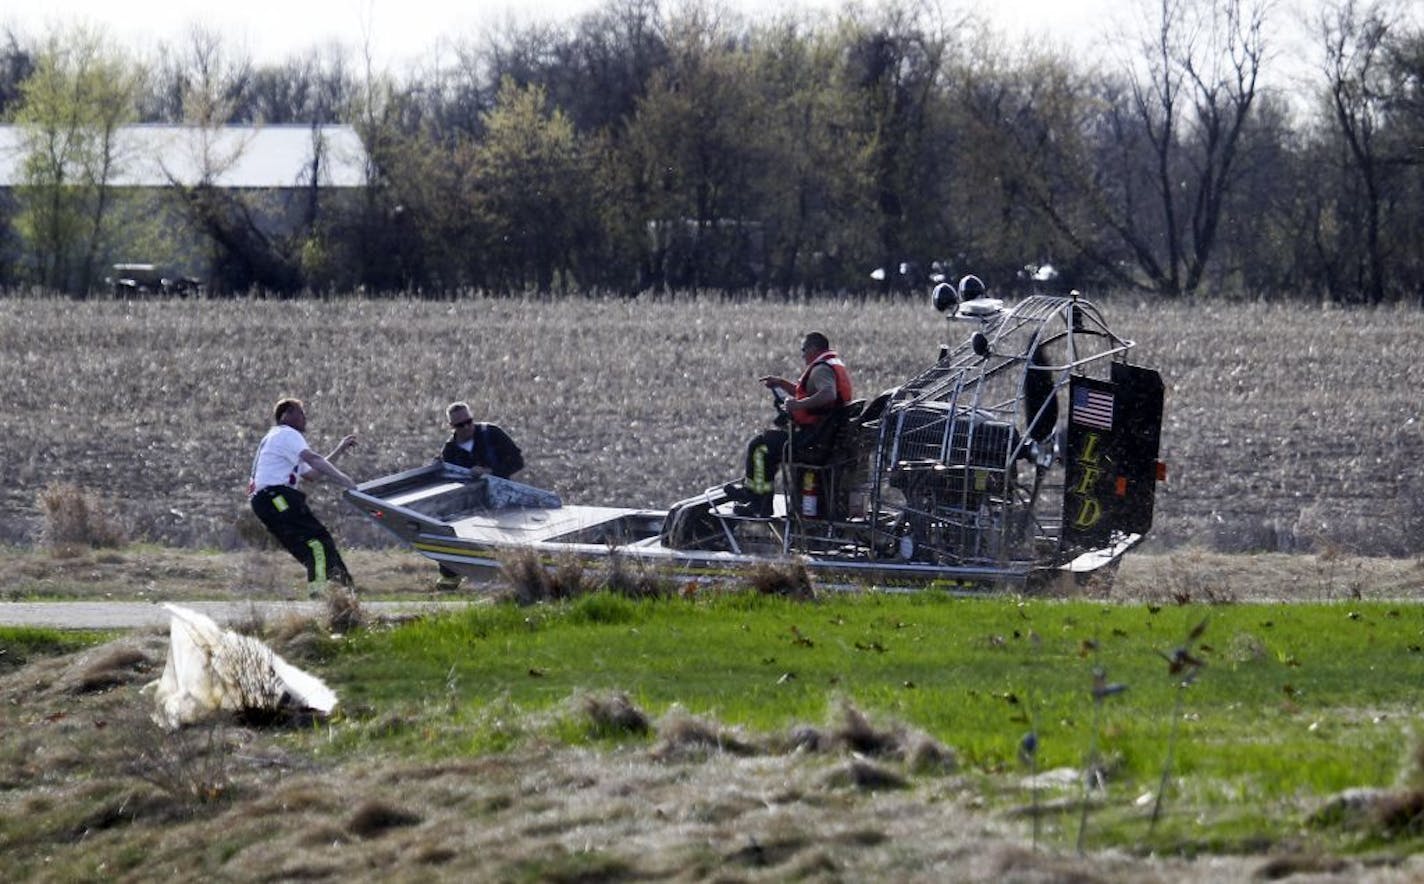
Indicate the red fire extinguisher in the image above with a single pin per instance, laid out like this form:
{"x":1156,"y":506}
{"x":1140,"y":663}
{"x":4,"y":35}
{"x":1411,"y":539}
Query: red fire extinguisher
{"x":809,"y":501}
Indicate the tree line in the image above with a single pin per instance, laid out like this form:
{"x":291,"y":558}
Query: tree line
{"x":640,"y":147}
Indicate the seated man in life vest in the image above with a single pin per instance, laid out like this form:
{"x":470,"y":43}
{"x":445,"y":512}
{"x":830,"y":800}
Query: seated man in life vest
{"x":823,"y":387}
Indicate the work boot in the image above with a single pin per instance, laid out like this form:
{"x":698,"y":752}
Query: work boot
{"x":757,"y":506}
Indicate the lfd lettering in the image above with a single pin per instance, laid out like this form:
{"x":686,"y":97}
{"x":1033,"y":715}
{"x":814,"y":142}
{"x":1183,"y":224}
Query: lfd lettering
{"x":1089,"y":510}
{"x":1088,"y":513}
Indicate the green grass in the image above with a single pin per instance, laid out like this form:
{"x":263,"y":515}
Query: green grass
{"x":1295,"y":702}
{"x":24,"y":644}
{"x":503,"y":717}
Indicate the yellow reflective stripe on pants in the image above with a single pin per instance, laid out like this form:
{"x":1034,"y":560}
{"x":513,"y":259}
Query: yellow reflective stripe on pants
{"x":279,"y":503}
{"x":759,"y":482}
{"x":318,"y":560}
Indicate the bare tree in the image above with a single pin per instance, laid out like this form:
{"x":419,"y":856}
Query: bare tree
{"x":214,"y":80}
{"x":17,"y":62}
{"x":1354,"y":37}
{"x":1192,"y":96}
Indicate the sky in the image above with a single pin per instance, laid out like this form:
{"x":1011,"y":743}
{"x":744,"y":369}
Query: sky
{"x":401,"y":30}
{"x":403,"y":33}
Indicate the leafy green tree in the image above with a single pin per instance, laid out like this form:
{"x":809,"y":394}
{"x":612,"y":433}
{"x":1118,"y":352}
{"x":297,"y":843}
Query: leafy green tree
{"x":890,"y":80}
{"x":529,"y":189}
{"x":807,"y":183}
{"x":696,"y":143}
{"x":70,"y":113}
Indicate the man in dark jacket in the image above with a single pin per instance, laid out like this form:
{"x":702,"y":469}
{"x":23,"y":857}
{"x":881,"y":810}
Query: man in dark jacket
{"x":483,"y":449}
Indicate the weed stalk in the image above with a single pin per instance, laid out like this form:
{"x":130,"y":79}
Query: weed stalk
{"x":1183,"y":668}
{"x":1102,"y":689}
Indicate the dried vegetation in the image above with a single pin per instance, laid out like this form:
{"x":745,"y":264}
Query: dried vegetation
{"x":91,"y":790}
{"x":1289,"y":428}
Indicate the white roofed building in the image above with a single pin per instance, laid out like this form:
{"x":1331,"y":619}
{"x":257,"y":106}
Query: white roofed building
{"x":283,"y":180}
{"x":248,"y":157}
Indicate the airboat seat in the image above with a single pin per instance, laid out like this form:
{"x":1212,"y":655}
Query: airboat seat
{"x":829,"y":439}
{"x":828,"y":458}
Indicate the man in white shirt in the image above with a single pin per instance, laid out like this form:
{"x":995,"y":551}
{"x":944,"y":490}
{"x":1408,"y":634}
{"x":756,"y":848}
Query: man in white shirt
{"x":283,"y":460}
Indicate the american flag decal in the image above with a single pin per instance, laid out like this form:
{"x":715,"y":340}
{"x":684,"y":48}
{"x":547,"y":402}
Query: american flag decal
{"x":1093,"y":408}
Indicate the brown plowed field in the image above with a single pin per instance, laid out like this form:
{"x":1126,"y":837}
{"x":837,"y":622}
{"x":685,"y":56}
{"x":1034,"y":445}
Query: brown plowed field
{"x":1289,"y":428}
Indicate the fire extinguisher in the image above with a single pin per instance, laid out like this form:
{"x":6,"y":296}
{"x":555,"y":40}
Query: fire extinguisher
{"x":809,"y":500}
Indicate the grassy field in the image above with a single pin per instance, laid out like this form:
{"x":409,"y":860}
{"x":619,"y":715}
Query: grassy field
{"x":750,"y":737}
{"x":1287,"y":428}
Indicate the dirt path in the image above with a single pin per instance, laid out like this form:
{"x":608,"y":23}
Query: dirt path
{"x":136,"y":615}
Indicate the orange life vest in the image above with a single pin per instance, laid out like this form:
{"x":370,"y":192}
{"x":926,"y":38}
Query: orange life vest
{"x":806,"y":417}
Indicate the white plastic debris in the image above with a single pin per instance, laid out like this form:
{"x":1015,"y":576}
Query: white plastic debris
{"x":211,"y":669}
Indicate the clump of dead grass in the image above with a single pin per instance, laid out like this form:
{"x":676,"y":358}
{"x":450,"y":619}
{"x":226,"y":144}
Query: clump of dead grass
{"x":75,"y":519}
{"x":790,"y":579}
{"x":635,"y":580}
{"x":192,"y":766}
{"x":1400,"y":814}
{"x":295,"y":637}
{"x":856,"y":733}
{"x":852,"y":731}
{"x":108,"y":666}
{"x":375,"y":817}
{"x":343,"y":609}
{"x":1184,"y":579}
{"x":613,"y":715}
{"x":527,"y":581}
{"x":683,"y":736}
{"x":865,"y":776}
{"x":1391,"y":813}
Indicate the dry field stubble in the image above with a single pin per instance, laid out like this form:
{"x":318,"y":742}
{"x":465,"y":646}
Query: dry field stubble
{"x":1288,"y":428}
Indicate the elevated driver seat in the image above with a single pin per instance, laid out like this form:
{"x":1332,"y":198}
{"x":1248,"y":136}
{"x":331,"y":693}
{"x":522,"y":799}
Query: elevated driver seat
{"x":827,"y":459}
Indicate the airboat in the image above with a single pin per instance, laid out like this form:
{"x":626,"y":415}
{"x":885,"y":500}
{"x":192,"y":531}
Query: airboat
{"x":1027,"y":451}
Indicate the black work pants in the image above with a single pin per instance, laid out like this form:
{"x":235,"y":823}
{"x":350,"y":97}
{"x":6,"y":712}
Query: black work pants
{"x":285,"y":513}
{"x":764,"y":455}
{"x":767,"y":449}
